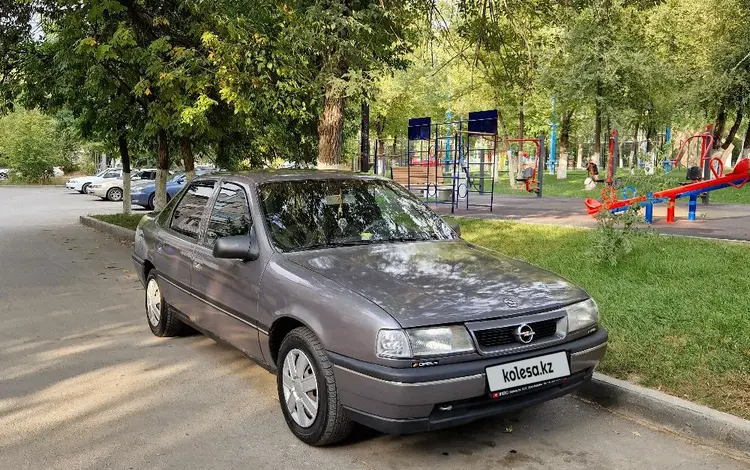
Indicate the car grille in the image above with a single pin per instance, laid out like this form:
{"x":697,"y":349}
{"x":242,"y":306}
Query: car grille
{"x":495,"y":337}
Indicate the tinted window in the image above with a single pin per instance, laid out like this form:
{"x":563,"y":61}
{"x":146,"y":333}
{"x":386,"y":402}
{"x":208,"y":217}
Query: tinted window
{"x":310,"y":214}
{"x":186,"y":218}
{"x":229,"y":216}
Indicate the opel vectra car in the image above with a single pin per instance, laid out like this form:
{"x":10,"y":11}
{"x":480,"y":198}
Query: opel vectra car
{"x":366,"y":305}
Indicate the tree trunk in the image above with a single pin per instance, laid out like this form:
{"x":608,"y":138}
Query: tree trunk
{"x":512,"y":167}
{"x":649,"y":138}
{"x":734,"y":128}
{"x":746,"y":144}
{"x":721,"y":119}
{"x":634,"y":150}
{"x":364,"y":142}
{"x":186,"y":149}
{"x":562,"y":166}
{"x":596,"y":157}
{"x":122,"y":142}
{"x":162,"y":172}
{"x":331,"y":131}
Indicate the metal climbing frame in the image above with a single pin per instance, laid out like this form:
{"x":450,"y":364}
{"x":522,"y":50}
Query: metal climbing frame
{"x":453,"y":162}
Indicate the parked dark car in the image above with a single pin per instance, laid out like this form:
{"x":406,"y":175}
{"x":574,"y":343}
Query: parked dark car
{"x":366,"y":305}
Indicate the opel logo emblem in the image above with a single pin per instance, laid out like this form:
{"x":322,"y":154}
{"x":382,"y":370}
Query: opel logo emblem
{"x":524,"y":334}
{"x":510,"y":302}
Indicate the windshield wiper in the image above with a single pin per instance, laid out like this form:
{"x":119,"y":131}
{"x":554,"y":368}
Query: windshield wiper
{"x":318,"y":246}
{"x":408,"y":239}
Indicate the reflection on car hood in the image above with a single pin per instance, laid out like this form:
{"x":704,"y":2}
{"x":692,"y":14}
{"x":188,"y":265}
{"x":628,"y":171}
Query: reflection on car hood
{"x":440,"y":282}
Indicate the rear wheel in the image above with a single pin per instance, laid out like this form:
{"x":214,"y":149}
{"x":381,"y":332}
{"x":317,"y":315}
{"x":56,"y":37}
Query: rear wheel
{"x":307,"y":390}
{"x":115,"y":194}
{"x":150,"y":205}
{"x":161,"y":318}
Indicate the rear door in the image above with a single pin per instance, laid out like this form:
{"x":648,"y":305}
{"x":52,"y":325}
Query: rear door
{"x":175,"y":245}
{"x":230,"y":288}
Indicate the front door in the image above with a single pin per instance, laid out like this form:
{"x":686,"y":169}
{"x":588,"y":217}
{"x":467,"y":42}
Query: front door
{"x":174,"y":251}
{"x":230,"y":287}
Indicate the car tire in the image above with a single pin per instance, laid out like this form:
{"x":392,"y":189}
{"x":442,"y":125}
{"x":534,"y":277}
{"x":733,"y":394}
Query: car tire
{"x":114,"y":194}
{"x":330,"y":423}
{"x":151,"y":205}
{"x":159,"y":315}
{"x":84,"y":188}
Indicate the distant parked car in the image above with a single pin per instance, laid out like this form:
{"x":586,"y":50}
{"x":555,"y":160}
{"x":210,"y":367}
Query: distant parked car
{"x":364,"y":302}
{"x":81,"y":184}
{"x":144,"y":196}
{"x":112,"y":190}
{"x":4,"y":172}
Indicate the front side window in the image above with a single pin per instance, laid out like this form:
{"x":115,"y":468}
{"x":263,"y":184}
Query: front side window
{"x":310,"y":214}
{"x":186,"y":218}
{"x":230,"y":215}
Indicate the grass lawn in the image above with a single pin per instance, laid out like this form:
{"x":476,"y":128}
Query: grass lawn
{"x":573,"y":187}
{"x":677,"y":309}
{"x":127,"y":221}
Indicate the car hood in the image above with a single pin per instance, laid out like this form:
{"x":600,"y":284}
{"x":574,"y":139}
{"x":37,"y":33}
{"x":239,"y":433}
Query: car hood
{"x":440,"y":282}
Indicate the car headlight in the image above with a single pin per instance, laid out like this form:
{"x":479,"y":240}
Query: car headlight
{"x":423,"y":342}
{"x":582,"y":315}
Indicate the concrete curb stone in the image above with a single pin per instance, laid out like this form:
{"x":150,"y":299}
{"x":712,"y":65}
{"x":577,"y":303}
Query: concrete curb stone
{"x":121,"y":233}
{"x":675,"y":414}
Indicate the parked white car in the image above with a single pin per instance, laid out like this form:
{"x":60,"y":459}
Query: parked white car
{"x":112,"y":190}
{"x":81,"y":184}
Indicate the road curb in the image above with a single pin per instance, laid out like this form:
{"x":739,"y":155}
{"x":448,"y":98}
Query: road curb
{"x":121,"y":233}
{"x":665,"y":411}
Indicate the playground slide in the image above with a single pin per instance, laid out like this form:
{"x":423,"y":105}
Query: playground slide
{"x":736,"y":178}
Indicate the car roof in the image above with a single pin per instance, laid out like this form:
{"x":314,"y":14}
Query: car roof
{"x":268,"y":176}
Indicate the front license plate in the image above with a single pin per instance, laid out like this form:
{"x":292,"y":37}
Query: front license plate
{"x":528,"y":371}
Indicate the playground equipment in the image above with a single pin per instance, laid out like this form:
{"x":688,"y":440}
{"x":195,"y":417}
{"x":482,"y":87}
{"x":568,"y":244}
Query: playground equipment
{"x":737,"y":178}
{"x":530,"y":175}
{"x":593,"y":171}
{"x":449,"y":162}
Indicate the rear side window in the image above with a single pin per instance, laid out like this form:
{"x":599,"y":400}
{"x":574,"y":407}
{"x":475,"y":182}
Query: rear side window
{"x":230,"y":215}
{"x":186,"y":218}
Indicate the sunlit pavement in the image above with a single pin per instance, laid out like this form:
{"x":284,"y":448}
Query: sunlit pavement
{"x":84,"y":384}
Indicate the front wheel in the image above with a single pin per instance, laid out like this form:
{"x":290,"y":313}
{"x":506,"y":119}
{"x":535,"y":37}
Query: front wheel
{"x":307,"y":390}
{"x":84,"y":188}
{"x":114,"y":194}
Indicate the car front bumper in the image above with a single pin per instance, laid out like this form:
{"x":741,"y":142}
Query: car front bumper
{"x":100,"y":192}
{"x":139,"y":199}
{"x":74,"y":186}
{"x":400,"y":401}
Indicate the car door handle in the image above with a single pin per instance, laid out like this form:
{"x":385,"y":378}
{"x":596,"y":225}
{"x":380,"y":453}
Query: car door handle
{"x":197,"y":266}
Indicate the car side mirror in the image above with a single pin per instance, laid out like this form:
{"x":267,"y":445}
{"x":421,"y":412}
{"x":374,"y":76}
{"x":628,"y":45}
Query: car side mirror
{"x":456,"y":228}
{"x":244,"y":247}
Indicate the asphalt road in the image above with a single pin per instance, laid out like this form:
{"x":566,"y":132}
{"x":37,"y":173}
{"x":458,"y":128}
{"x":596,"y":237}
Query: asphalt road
{"x":84,"y":384}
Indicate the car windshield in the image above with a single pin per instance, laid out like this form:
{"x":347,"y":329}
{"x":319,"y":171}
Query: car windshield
{"x":311,"y":214}
{"x":177,"y":178}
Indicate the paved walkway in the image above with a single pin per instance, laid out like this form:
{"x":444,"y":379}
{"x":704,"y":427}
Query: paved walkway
{"x":726,"y":221}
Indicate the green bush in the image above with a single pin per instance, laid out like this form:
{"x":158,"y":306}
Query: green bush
{"x":29,"y":143}
{"x":613,"y":238}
